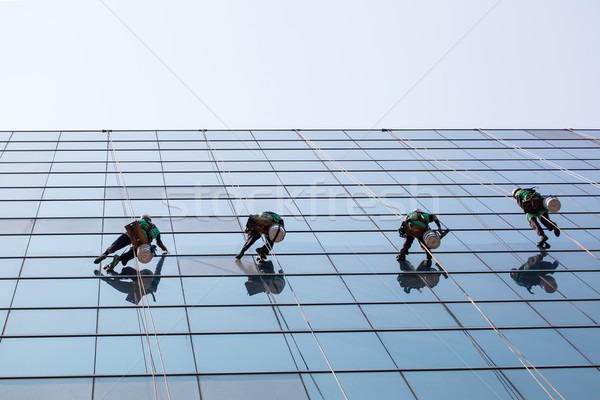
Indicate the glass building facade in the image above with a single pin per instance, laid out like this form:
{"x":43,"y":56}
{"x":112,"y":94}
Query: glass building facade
{"x":332,"y":314}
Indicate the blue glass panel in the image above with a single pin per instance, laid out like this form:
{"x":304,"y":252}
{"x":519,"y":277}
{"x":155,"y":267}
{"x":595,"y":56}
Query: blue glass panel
{"x":132,"y":320}
{"x":264,"y":386}
{"x":175,"y":353}
{"x":50,"y":389}
{"x":222,"y":353}
{"x":140,"y":388}
{"x":460,"y":385}
{"x":47,"y":356}
{"x":51,"y":322}
{"x":571,"y":383}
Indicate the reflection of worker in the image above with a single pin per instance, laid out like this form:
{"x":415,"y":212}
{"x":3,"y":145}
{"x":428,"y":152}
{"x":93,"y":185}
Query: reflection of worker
{"x":252,"y":235}
{"x":533,"y":204}
{"x":528,"y":276}
{"x":267,"y":283}
{"x":418,"y":281}
{"x":415,"y":224}
{"x":133,"y":289}
{"x":150,"y":231}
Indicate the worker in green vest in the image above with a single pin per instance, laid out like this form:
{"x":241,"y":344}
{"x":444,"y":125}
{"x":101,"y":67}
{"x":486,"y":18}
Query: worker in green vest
{"x":252,"y":236}
{"x":150,"y":231}
{"x":415,"y":224}
{"x":533,"y":204}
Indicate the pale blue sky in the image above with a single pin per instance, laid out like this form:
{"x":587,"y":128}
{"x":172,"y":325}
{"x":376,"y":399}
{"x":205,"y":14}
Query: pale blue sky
{"x":183,"y":64}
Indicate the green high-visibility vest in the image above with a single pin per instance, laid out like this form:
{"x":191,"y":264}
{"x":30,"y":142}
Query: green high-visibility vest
{"x":528,"y":195}
{"x":419,"y":219}
{"x":150,"y":231}
{"x":270,"y":216}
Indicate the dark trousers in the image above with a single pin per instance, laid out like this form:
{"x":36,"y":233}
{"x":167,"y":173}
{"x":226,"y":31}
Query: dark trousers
{"x":535,"y":225}
{"x":118,"y":244}
{"x":409,"y":241}
{"x":251,"y":237}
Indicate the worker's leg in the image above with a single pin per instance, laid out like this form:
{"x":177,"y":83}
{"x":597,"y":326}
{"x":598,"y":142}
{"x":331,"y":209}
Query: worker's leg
{"x":535,"y":225}
{"x":266,"y":249}
{"x":118,"y":244}
{"x":404,"y":250}
{"x":251,"y":237}
{"x":426,"y":250}
{"x":128,"y":255}
{"x":538,"y":229}
{"x":549,"y":224}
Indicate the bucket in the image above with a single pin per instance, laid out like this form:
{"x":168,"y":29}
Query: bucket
{"x":144,"y":253}
{"x":552,"y":204}
{"x":276,"y":233}
{"x":431,"y":239}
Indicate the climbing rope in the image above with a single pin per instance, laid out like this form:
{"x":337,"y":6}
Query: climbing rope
{"x":142,"y":290}
{"x":522,"y":359}
{"x":392,"y":133}
{"x":300,"y":308}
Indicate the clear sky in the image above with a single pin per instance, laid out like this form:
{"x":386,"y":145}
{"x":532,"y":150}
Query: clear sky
{"x":230,"y":64}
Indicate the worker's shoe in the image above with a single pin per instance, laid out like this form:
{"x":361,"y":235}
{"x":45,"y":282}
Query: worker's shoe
{"x":239,"y":255}
{"x":556,"y":232}
{"x":402,"y":255}
{"x":261,"y":253}
{"x":542,"y":244}
{"x":113,"y":263}
{"x":100,"y":258}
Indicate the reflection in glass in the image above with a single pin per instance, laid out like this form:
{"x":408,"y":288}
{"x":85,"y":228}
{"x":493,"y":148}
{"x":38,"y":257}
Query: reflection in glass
{"x":411,"y":280}
{"x":128,"y":282}
{"x":536,"y":272}
{"x":267,"y":282}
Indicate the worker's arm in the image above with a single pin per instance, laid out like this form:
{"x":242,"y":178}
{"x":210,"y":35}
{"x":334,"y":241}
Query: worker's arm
{"x":519,"y":201}
{"x":161,"y":244}
{"x":437,"y":222}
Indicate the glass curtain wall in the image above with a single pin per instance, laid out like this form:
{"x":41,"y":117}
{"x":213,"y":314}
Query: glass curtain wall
{"x":331,"y":313}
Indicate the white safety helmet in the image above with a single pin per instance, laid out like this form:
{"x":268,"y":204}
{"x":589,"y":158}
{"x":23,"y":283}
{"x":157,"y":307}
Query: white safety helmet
{"x":515,"y":191}
{"x":146,"y":217}
{"x":417,"y":210}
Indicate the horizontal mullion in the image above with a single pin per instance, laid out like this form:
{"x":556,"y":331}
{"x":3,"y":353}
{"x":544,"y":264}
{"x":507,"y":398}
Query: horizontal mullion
{"x":301,"y":146}
{"x":309,"y":253}
{"x":279,"y":198}
{"x":168,"y":232}
{"x":301,"y":331}
{"x":312,"y":160}
{"x":512,"y":184}
{"x":233,"y":217}
{"x":299,"y":171}
{"x":384,"y":138}
{"x":312,"y":304}
{"x":340,"y":274}
{"x":305,"y":372}
{"x":303,"y":304}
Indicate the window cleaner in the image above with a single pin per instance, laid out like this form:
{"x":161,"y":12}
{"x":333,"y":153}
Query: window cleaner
{"x":416,"y":226}
{"x":140,"y":235}
{"x":266,"y":223}
{"x":536,"y":206}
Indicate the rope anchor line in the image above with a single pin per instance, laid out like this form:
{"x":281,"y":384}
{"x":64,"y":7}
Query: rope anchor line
{"x":518,"y":354}
{"x":141,"y":288}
